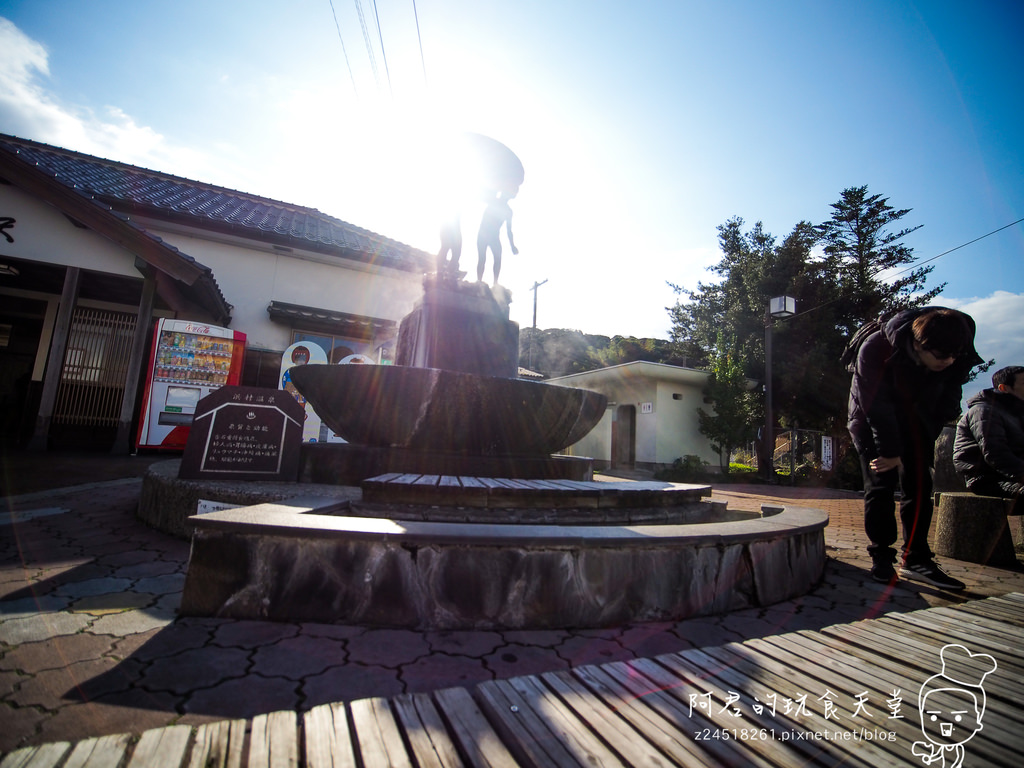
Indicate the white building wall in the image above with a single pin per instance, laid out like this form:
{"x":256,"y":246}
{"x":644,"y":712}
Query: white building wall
{"x":42,"y":233}
{"x":250,"y":279}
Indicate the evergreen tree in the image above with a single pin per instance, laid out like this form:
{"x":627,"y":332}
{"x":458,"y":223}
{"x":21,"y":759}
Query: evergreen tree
{"x":736,"y":407}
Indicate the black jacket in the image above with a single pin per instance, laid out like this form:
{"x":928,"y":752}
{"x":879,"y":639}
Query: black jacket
{"x":893,"y":398}
{"x":990,"y":438}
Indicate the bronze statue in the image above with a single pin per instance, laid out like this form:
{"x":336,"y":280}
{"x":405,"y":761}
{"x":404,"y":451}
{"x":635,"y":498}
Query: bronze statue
{"x":451,"y":243}
{"x":498,"y":175}
{"x":498,"y":212}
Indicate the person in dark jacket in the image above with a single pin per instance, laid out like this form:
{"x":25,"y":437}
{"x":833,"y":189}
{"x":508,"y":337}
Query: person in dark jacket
{"x":907,"y":383}
{"x":988,"y":451}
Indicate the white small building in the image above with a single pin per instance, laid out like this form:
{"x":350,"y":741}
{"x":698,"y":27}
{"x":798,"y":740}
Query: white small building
{"x":651,"y":418}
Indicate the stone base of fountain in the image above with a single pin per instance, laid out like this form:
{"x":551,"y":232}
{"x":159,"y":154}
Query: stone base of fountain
{"x":317,"y":560}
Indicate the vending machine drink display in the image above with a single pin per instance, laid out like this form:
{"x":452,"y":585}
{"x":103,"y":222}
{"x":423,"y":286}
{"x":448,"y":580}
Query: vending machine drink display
{"x":188,"y":361}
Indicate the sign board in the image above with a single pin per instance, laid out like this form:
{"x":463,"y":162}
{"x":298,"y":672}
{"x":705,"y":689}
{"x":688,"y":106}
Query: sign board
{"x":206,"y":506}
{"x":646,"y":407}
{"x":826,"y":452}
{"x":244,"y":433}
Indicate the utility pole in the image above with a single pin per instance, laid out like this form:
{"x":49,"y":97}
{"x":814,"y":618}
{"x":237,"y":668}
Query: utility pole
{"x":533,"y":338}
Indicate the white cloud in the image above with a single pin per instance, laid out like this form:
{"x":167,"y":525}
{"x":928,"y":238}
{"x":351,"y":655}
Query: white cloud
{"x":1000,"y":320}
{"x":29,"y":109}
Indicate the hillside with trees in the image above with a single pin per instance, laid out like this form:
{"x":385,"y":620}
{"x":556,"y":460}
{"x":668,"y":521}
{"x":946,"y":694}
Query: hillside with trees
{"x":561,"y":351}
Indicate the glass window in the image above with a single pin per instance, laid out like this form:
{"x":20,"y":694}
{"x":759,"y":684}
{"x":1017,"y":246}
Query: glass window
{"x":336,"y":347}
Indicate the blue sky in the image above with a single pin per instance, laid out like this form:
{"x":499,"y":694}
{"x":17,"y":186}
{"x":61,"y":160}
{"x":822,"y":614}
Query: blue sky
{"x":642,"y":126}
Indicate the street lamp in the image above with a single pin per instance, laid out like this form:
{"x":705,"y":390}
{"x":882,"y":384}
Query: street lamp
{"x":778,"y":307}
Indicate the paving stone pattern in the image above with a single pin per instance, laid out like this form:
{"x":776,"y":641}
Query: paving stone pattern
{"x":90,"y":643}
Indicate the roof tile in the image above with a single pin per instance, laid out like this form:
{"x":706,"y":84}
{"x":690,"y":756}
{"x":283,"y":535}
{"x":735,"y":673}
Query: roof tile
{"x":124,"y":186}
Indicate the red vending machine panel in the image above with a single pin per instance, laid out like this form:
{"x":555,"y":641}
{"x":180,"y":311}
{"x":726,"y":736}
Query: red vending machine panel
{"x":188,"y":361}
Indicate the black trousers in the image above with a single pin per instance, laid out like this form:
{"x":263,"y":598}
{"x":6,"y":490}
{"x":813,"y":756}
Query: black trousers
{"x":916,"y":506}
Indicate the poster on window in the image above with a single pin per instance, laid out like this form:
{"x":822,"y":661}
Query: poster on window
{"x":304,"y":353}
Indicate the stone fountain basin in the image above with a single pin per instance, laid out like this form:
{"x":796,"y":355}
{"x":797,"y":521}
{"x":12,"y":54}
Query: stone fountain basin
{"x":429,"y":409}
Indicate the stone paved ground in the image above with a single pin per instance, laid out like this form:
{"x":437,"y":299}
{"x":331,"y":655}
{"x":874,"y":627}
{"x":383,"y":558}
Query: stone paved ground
{"x":90,"y":645}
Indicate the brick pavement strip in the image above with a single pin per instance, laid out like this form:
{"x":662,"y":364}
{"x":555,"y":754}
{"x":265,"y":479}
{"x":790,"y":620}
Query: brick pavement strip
{"x":80,"y":655}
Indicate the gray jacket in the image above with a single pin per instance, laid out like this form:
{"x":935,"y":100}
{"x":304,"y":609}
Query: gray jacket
{"x":990,"y":438}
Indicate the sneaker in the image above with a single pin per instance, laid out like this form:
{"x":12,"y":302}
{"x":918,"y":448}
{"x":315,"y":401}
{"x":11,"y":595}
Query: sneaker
{"x":930,"y":573}
{"x":883,"y":572}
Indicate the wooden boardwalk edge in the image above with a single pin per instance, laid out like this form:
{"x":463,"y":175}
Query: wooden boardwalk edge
{"x":845,"y":695}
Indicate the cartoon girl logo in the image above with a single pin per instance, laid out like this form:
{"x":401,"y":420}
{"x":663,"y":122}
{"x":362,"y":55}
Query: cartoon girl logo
{"x":952,"y":704}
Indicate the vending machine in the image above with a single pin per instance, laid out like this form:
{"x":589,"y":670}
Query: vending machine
{"x":188,"y":361}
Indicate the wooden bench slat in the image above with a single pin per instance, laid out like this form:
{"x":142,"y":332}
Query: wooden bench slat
{"x":575,"y":734}
{"x":683,"y":677}
{"x":219,"y":745}
{"x":377,"y":735}
{"x":524,"y":730}
{"x":99,"y":752}
{"x":327,"y":737}
{"x":273,"y":741}
{"x":472,"y":731}
{"x":1005,"y":646}
{"x":1007,"y":613}
{"x":431,"y":745}
{"x":1000,"y":742}
{"x":848,"y":676}
{"x":161,"y":746}
{"x":922,"y":661}
{"x":674,"y":737}
{"x":758,"y":676}
{"x":42,"y":756}
{"x":906,"y":728}
{"x":609,"y":723}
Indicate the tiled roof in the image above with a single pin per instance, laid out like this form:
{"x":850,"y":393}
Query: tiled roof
{"x":129,"y":188}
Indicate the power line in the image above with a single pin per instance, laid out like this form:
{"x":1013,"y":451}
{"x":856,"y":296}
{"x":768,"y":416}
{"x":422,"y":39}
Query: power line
{"x":914,"y":266}
{"x":383,"y":53}
{"x":342,"y":41}
{"x":419,"y":39}
{"x":367,"y":43}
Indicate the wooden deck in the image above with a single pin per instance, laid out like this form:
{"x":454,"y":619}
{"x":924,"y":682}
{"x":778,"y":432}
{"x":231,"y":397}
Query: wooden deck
{"x":845,"y":695}
{"x":505,"y":493}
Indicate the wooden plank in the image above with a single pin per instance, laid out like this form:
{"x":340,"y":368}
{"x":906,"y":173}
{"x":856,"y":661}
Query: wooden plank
{"x":377,"y":735}
{"x":477,"y":740}
{"x":101,"y":752}
{"x":449,"y":481}
{"x":577,"y":737}
{"x":525,"y":732}
{"x":673,"y":737}
{"x":999,"y":742}
{"x":992,"y":608}
{"x":613,"y":729}
{"x":852,"y":676}
{"x":430,"y":481}
{"x":428,"y":739}
{"x":664,"y":692}
{"x":759,"y":679}
{"x":1004,"y":645}
{"x":274,"y":741}
{"x":161,"y":746}
{"x":918,"y":656}
{"x":387,"y":477}
{"x":469,"y":481}
{"x":219,"y":745}
{"x":43,"y":756}
{"x":1008,"y":619}
{"x":694,"y":684}
{"x":328,"y":740}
